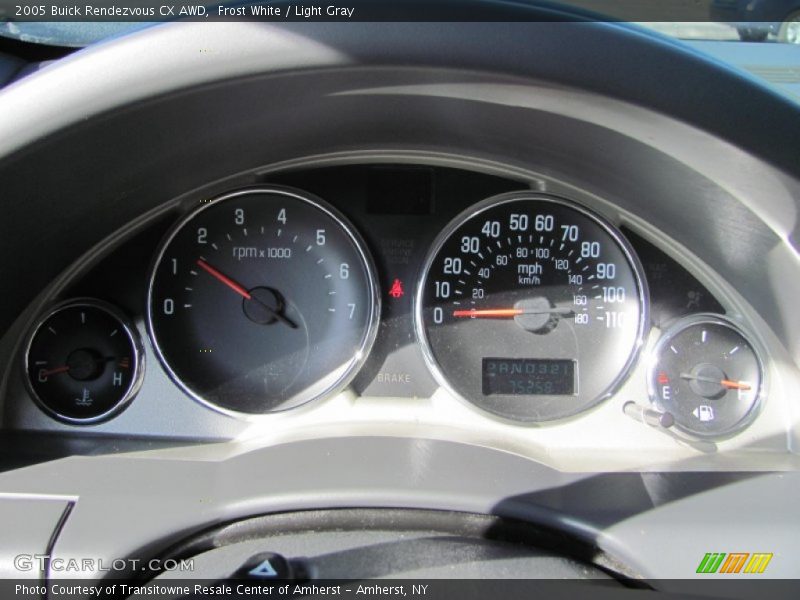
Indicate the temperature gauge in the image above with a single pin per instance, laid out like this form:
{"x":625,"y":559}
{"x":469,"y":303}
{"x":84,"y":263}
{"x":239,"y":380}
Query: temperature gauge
{"x":707,"y":375}
{"x":83,"y":362}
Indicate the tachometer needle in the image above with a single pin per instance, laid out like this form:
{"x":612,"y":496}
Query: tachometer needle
{"x":726,"y":383}
{"x":508,"y":313}
{"x":239,"y":289}
{"x":223,"y":278}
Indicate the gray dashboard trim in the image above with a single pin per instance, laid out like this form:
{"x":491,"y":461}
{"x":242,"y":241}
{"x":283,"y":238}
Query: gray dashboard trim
{"x":636,"y":65}
{"x":648,"y":522}
{"x":30,"y":526}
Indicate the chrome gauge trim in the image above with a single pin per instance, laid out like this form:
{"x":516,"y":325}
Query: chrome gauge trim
{"x":138,"y":359}
{"x":678,"y":326}
{"x":371,"y":332}
{"x":643,"y":325}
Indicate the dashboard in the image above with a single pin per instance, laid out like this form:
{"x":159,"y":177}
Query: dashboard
{"x":526,"y":304}
{"x":268,"y":270}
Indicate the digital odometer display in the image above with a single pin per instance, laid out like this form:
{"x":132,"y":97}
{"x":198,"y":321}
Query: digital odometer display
{"x":543,"y":283}
{"x":525,"y":376}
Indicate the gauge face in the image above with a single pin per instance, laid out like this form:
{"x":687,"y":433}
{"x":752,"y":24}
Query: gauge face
{"x":706,"y":373}
{"x":83,"y":362}
{"x":531,"y":307}
{"x":262,"y":300}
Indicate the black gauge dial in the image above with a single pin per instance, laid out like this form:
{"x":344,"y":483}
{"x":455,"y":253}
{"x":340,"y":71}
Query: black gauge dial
{"x":262,"y":300}
{"x":531,"y":307}
{"x":83,"y":362}
{"x":707,"y":374}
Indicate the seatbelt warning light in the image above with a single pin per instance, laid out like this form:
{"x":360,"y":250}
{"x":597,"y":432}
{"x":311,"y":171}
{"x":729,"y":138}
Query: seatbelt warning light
{"x":397,"y":291}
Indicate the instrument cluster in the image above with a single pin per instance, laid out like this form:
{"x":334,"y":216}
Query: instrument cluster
{"x":529,"y":303}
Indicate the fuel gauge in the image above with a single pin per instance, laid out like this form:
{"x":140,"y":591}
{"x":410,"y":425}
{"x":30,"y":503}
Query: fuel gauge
{"x":707,"y":375}
{"x":83,"y":362}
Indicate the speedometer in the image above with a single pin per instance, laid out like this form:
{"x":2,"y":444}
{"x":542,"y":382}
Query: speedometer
{"x":262,"y":300}
{"x":531,"y":307}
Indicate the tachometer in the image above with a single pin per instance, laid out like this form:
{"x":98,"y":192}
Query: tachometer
{"x":262,"y":300}
{"x":531,"y":307}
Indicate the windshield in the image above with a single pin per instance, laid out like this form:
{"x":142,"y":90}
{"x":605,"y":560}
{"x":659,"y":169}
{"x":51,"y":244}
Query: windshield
{"x":760,"y":37}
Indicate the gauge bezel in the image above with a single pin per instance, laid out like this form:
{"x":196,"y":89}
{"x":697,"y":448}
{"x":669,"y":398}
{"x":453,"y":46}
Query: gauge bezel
{"x":138,"y":361}
{"x":679,"y":325}
{"x":643,"y":326}
{"x":360,"y":355}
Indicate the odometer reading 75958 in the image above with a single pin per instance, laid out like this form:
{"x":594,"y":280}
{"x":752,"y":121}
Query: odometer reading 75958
{"x":547,"y":286}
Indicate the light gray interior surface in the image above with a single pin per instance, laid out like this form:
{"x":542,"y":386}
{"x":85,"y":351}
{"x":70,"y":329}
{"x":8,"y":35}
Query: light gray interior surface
{"x":29,"y":525}
{"x":130,"y":506}
{"x":602,"y":107}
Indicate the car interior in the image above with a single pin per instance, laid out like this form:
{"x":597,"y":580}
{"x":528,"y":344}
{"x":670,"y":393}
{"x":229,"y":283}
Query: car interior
{"x":483,"y":301}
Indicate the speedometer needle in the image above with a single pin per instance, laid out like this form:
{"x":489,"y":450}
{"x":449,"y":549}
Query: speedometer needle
{"x":726,"y":383}
{"x":239,"y":289}
{"x":507,"y":313}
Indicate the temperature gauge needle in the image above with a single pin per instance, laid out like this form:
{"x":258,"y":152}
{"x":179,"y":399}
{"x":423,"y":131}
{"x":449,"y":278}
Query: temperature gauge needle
{"x":67,"y":368}
{"x":55,"y":371}
{"x":726,"y":383}
{"x":508,"y":313}
{"x":239,"y":289}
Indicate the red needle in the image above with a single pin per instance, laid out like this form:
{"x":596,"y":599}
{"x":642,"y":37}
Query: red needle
{"x":734,"y":385}
{"x":498,"y":313}
{"x":243,"y":292}
{"x":223,"y":278}
{"x":55,"y":371}
{"x":726,"y":383}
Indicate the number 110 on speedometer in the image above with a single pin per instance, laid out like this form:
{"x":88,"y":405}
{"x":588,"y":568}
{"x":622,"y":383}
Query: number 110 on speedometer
{"x":531,"y":307}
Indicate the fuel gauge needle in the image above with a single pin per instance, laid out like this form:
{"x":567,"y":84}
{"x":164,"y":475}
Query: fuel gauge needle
{"x":240,"y":289}
{"x":726,"y":383}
